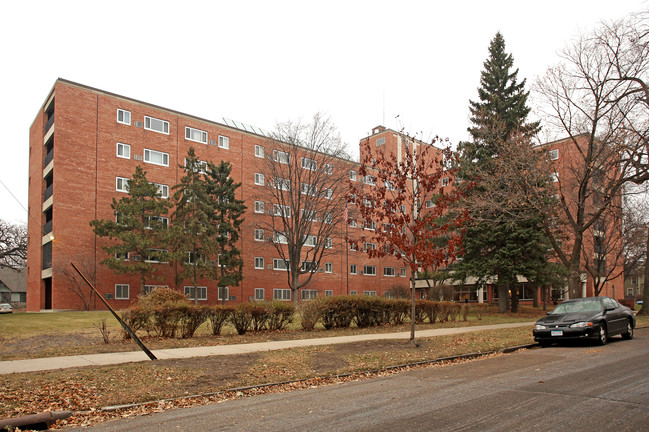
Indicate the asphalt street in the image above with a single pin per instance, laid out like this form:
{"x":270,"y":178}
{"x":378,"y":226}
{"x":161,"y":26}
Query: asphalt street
{"x":576,"y":387}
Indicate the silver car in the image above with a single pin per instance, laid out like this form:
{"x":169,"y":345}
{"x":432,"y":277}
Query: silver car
{"x":6,"y":308}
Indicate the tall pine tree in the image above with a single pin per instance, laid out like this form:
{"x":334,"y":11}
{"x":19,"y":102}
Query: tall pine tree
{"x":499,"y":243}
{"x":139,"y":228}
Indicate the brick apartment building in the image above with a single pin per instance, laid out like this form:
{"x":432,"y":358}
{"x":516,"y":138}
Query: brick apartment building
{"x":85,"y":144}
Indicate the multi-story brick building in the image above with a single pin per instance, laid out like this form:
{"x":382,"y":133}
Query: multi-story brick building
{"x":85,"y":144}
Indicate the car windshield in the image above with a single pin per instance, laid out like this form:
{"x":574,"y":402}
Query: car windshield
{"x":579,"y":306}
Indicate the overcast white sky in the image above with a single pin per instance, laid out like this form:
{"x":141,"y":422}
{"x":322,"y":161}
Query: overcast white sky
{"x":260,"y":62}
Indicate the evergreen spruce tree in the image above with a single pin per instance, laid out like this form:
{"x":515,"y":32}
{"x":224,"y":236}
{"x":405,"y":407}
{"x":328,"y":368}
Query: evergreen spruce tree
{"x":193,"y":233}
{"x":139,"y":228}
{"x":228,"y":217}
{"x":497,"y":243}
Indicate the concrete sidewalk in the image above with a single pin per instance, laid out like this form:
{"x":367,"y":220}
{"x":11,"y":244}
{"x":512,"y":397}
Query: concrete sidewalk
{"x":51,"y":363}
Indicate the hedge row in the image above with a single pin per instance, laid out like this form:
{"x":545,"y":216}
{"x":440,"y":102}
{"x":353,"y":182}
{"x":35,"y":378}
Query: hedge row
{"x":343,"y":311}
{"x":167,"y":313}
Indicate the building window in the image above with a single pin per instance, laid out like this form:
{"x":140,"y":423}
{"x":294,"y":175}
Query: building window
{"x":259,"y":206}
{"x":224,"y":293}
{"x":195,"y":135}
{"x":328,"y":243}
{"x":308,"y":189}
{"x":380,"y":141}
{"x":389,"y":271}
{"x":163,"y":190}
{"x":190,"y":290}
{"x":259,"y":152}
{"x":259,"y":179}
{"x":430,"y":204}
{"x":352,"y":175}
{"x":163,"y":222}
{"x":310,"y":266}
{"x":369,"y":225}
{"x":121,"y":291}
{"x":259,"y":234}
{"x":121,"y":256}
{"x":282,"y":294}
{"x":156,"y":157}
{"x":309,"y":164}
{"x":280,"y":238}
{"x":403,"y":272}
{"x":369,"y":270}
{"x":328,"y":169}
{"x":281,"y":210}
{"x":154,"y":256}
{"x":149,"y":288}
{"x":309,"y":215}
{"x":353,"y":269}
{"x":369,"y":246}
{"x":259,"y":294}
{"x":329,"y":267}
{"x":369,"y":293}
{"x":122,"y":184}
{"x":282,"y":183}
{"x":370,"y":180}
{"x":329,"y":293}
{"x":553,"y":154}
{"x":352,"y":223}
{"x":353,"y":292}
{"x":281,"y":157}
{"x":224,"y":142}
{"x":310,"y":240}
{"x":309,"y":294}
{"x":156,"y":125}
{"x":352,"y":247}
{"x":328,"y":193}
{"x":259,"y":263}
{"x":124,"y":116}
{"x":123,"y":151}
{"x":445,"y":181}
{"x":554,"y":177}
{"x":280,"y":264}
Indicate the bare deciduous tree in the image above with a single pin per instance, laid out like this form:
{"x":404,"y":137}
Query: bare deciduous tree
{"x":75,"y":283}
{"x":13,"y":245}
{"x":305,"y":175}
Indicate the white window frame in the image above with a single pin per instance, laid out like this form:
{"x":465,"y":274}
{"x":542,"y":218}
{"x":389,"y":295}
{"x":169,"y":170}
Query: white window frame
{"x":309,"y":164}
{"x":221,"y":291}
{"x":329,"y":293}
{"x":259,"y":179}
{"x":119,"y":291}
{"x":259,"y":207}
{"x":281,"y":157}
{"x":124,"y":114}
{"x":163,"y":190}
{"x":277,"y":261}
{"x":200,"y":290}
{"x":260,"y":294}
{"x":164,"y":124}
{"x":259,"y":263}
{"x":369,"y":293}
{"x":163,"y":219}
{"x":260,"y":153}
{"x":352,"y":175}
{"x":281,"y":183}
{"x":328,"y":193}
{"x":282,"y":294}
{"x":328,"y":169}
{"x":353,"y":269}
{"x":155,"y":261}
{"x":444,"y":181}
{"x":555,"y":177}
{"x":380,"y":141}
{"x":403,"y":272}
{"x":329,"y":267}
{"x":281,"y":210}
{"x":553,"y":154}
{"x":149,"y":152}
{"x":353,"y":292}
{"x":121,"y":184}
{"x":259,"y":234}
{"x":310,"y":240}
{"x":308,"y":189}
{"x":369,"y":267}
{"x":310,"y":266}
{"x":280,"y":238}
{"x":389,"y":272}
{"x":328,"y":243}
{"x":125,"y":150}
{"x":311,"y":216}
{"x":224,"y":142}
{"x":370,"y":180}
{"x":191,"y":133}
{"x":430,"y":203}
{"x":309,"y":294}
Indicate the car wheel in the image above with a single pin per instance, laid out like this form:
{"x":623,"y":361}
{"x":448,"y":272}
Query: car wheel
{"x":628,"y":334}
{"x":545,"y":344}
{"x":603,"y":334}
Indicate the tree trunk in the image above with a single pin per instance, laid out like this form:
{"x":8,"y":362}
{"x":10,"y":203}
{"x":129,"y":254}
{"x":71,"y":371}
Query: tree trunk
{"x":412,"y":308}
{"x":536,"y":297}
{"x":644,"y":310}
{"x":514,"y":290}
{"x":502,"y":298}
{"x":142,"y":284}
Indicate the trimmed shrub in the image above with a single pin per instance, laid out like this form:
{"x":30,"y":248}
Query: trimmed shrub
{"x":280,"y":314}
{"x":479,"y":309}
{"x":136,"y":318}
{"x":338,"y":312}
{"x":370,"y":311}
{"x":310,"y":312}
{"x":218,"y":316}
{"x":191,"y":319}
{"x":242,"y":316}
{"x":260,"y":314}
{"x":160,"y":311}
{"x":397,"y":311}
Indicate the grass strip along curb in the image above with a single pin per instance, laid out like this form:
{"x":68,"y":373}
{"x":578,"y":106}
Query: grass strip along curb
{"x":309,"y":382}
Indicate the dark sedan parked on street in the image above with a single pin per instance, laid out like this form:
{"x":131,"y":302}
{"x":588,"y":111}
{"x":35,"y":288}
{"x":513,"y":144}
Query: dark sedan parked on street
{"x":593,"y":317}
